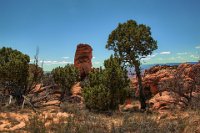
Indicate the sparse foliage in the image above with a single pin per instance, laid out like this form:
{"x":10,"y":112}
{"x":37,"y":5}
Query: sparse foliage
{"x":35,"y":73}
{"x":47,"y":79}
{"x":132,"y":42}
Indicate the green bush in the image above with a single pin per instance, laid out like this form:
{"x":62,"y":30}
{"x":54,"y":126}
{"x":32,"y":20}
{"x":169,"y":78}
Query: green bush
{"x":14,"y":72}
{"x":116,"y":80}
{"x":97,"y":97}
{"x":96,"y":77}
{"x":65,"y":77}
{"x":106,"y":87}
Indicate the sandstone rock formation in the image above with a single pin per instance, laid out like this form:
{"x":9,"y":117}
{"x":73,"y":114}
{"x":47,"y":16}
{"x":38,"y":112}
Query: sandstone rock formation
{"x":76,"y":96}
{"x":181,"y":79}
{"x":167,"y":100}
{"x":45,"y":96}
{"x":184,"y":80}
{"x":152,"y":78}
{"x":83,"y":59}
{"x":170,"y":87}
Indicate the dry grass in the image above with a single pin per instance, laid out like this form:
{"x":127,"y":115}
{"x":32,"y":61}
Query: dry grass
{"x":81,"y":120}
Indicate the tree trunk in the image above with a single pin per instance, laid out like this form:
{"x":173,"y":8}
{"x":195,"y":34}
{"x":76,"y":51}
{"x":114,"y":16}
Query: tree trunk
{"x":141,"y":93}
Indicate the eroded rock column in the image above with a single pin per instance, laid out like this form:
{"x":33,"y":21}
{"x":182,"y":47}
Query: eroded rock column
{"x":83,"y":59}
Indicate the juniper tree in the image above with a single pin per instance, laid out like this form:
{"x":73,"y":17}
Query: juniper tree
{"x":14,"y":72}
{"x":132,"y":42}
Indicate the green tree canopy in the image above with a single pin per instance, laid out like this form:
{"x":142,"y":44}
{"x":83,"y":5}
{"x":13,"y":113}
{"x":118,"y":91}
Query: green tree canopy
{"x":14,"y":71}
{"x":132,"y":42}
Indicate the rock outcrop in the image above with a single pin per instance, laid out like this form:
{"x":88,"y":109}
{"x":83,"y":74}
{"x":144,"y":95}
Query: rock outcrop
{"x":181,"y":79}
{"x":45,"y":96}
{"x":83,"y":59}
{"x":168,"y":100}
{"x":76,"y":96}
{"x":153,"y":77}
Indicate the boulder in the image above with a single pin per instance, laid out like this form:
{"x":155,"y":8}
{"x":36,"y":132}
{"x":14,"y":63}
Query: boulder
{"x":167,"y":100}
{"x":83,"y":59}
{"x":76,"y":89}
{"x":76,"y":96}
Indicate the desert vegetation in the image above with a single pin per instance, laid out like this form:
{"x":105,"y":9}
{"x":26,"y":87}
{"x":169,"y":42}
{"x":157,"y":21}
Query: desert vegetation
{"x":14,"y":70}
{"x":79,"y":98}
{"x":65,"y":78}
{"x":132,"y":42}
{"x":105,"y":89}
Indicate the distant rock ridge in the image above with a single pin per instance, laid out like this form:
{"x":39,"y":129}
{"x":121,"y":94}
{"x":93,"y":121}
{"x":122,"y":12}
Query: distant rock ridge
{"x":83,"y":59}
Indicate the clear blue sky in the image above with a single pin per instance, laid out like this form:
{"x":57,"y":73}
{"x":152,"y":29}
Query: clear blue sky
{"x":57,"y":26}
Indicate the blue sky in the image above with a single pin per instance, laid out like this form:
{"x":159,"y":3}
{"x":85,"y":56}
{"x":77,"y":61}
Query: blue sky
{"x":57,"y":26}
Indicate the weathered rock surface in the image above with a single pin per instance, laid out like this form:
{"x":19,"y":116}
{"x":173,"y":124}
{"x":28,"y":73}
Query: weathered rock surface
{"x":45,"y":96}
{"x":76,"y":96}
{"x":181,"y":79}
{"x":167,"y":100}
{"x":177,"y":84}
{"x":76,"y":89}
{"x":83,"y":59}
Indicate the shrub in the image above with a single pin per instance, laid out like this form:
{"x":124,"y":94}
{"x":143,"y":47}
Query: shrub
{"x":35,"y":75}
{"x":65,"y":77}
{"x":106,"y":87}
{"x":116,"y":80}
{"x":94,"y":78}
{"x":14,"y":72}
{"x":97,"y":97}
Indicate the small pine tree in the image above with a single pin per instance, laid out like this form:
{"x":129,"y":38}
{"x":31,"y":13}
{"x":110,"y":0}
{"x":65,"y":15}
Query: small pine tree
{"x":65,"y":77}
{"x":116,"y":80}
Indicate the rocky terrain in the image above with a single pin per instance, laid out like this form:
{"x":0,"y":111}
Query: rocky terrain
{"x":171,"y":85}
{"x":171,"y":90}
{"x":42,"y":102}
